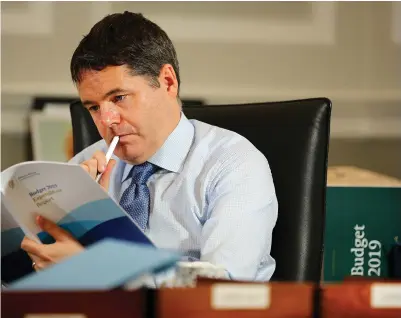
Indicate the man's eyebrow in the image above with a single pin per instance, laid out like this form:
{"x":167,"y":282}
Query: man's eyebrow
{"x":109,"y":93}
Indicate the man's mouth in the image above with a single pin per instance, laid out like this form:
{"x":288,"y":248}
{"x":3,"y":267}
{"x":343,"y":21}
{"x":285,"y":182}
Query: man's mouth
{"x":121,"y":136}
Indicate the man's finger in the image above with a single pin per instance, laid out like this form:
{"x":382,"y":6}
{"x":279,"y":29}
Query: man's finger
{"x":91,"y":167}
{"x":53,"y":229}
{"x":35,"y":258}
{"x":85,"y":167}
{"x":33,"y":248}
{"x":38,"y":263}
{"x":100,"y":156}
{"x":105,"y":179}
{"x":92,"y":163}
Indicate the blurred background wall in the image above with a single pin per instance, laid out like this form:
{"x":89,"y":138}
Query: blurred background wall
{"x":230,"y":52}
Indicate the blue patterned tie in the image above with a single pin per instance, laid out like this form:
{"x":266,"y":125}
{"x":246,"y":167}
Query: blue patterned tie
{"x":136,"y":198}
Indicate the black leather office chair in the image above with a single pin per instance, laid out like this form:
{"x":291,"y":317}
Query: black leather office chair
{"x":294,"y":136}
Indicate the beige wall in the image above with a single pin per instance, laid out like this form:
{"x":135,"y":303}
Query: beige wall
{"x":233,"y":52}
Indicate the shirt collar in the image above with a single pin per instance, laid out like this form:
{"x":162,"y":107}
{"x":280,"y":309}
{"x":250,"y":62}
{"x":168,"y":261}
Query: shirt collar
{"x":172,"y":154}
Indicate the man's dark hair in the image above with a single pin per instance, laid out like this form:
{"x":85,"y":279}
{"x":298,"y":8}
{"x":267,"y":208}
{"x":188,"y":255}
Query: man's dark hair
{"x":125,"y":39}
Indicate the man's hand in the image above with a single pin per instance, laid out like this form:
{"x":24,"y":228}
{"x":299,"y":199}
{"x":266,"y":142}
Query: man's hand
{"x":97,"y":164}
{"x":45,"y":255}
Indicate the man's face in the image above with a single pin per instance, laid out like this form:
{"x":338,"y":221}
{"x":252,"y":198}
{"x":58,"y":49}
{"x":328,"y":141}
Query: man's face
{"x":130,"y":107}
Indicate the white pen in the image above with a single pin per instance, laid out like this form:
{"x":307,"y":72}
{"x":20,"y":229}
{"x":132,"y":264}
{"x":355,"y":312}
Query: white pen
{"x":109,"y":153}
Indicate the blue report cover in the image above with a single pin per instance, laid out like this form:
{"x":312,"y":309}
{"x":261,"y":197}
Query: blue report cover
{"x":65,"y":194}
{"x":105,"y":265}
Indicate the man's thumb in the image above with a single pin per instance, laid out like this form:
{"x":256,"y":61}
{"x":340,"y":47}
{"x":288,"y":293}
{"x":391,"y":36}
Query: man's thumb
{"x":105,"y":179}
{"x":53,"y":229}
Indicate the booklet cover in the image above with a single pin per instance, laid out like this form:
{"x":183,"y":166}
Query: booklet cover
{"x":105,"y":265}
{"x":65,"y":194}
{"x":363,"y":223}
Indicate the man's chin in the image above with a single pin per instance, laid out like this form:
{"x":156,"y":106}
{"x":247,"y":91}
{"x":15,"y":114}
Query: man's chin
{"x":130,"y":156}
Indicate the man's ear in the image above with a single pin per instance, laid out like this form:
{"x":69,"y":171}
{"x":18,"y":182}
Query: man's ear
{"x":168,"y":80}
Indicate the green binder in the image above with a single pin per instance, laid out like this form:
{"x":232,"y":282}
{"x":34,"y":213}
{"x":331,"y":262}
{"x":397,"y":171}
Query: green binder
{"x":362,"y":224}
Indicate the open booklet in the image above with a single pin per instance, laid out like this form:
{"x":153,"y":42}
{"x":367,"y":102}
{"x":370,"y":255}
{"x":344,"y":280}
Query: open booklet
{"x":65,"y":194}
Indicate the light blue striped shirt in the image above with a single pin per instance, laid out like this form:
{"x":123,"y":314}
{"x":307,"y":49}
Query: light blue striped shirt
{"x":213,"y":200}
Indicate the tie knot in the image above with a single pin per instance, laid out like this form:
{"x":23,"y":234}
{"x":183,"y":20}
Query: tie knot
{"x":142,"y":172}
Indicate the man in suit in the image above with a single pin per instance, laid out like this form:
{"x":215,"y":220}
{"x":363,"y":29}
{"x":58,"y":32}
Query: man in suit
{"x":193,"y":187}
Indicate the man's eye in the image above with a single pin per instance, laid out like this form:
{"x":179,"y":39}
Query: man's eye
{"x":118,"y":98}
{"x":93,"y":108}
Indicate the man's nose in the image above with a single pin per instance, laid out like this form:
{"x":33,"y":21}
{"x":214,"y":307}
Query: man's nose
{"x":109,"y":115}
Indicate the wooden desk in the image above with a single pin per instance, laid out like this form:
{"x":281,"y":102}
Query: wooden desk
{"x":276,"y":300}
{"x":212,"y":300}
{"x":359,"y":299}
{"x":113,"y":304}
{"x":281,"y":300}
